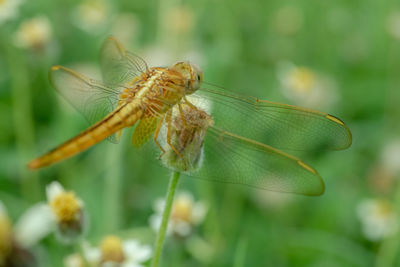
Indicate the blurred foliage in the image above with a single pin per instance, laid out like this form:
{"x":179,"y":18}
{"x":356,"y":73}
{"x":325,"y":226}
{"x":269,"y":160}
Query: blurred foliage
{"x":239,"y":45}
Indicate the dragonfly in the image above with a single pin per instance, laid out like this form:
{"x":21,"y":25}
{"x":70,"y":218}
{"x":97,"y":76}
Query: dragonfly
{"x":244,"y":140}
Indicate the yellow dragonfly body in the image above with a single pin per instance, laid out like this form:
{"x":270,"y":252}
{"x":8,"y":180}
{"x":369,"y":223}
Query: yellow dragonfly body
{"x":239,"y":139}
{"x":147,"y":96}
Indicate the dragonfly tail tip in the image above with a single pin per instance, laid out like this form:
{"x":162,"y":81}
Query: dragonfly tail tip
{"x":34,"y":164}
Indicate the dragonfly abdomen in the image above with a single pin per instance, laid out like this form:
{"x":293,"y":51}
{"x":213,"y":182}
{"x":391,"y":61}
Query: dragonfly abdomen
{"x":124,"y":116}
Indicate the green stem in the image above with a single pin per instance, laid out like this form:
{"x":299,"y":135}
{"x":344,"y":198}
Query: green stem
{"x":164,"y":223}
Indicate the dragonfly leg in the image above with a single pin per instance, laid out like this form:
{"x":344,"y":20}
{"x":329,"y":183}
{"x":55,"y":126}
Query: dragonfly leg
{"x":182,"y":116}
{"x":153,"y":112}
{"x":161,"y":89}
{"x":171,"y":89}
{"x":155,"y":137}
{"x":187,"y":102}
{"x":168,"y":120}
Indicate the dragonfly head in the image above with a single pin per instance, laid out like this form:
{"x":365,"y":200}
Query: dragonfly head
{"x":192,"y":73}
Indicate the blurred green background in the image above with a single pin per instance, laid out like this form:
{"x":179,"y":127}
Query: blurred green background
{"x":340,"y":57}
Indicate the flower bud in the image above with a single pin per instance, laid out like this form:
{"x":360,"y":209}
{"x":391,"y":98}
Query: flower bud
{"x":187,"y":132}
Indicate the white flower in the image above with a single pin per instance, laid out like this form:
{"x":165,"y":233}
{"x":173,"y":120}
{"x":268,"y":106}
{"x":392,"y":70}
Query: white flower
{"x":63,"y":213}
{"x":92,"y":16}
{"x":34,"y":33}
{"x":393,"y":25}
{"x":8,"y":9}
{"x":185,"y":214}
{"x":65,"y":205}
{"x":306,"y":87}
{"x":67,"y":210}
{"x":112,"y":250}
{"x":378,"y":218}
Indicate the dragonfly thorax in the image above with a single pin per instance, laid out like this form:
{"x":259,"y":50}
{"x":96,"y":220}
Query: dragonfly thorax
{"x":161,"y":88}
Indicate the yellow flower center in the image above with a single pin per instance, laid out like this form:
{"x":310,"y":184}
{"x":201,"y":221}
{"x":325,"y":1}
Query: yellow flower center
{"x":302,"y":79}
{"x":35,"y":32}
{"x":5,"y":238}
{"x":66,"y":206}
{"x":111,"y":249}
{"x":182,"y":210}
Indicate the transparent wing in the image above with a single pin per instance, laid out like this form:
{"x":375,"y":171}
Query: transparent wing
{"x":279,"y":125}
{"x":230,"y":158}
{"x":93,"y":99}
{"x":119,"y":66}
{"x":144,"y":131}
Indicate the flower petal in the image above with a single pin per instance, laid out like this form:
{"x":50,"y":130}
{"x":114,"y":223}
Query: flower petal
{"x":37,"y":222}
{"x":199,"y":212}
{"x":91,"y":254}
{"x":182,"y":228}
{"x":53,"y":190}
{"x":159,"y":205}
{"x":136,"y":252}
